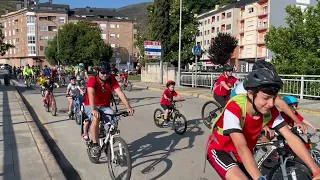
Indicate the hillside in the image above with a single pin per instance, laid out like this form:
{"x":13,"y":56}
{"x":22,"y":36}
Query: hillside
{"x":138,"y":12}
{"x":7,"y":4}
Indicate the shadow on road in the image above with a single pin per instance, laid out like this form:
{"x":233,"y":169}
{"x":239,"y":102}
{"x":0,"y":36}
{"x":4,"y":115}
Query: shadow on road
{"x":67,"y":168}
{"x":155,"y":144}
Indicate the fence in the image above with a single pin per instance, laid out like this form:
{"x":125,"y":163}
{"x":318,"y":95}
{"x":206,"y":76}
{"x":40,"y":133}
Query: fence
{"x":151,"y":72}
{"x":297,"y":85}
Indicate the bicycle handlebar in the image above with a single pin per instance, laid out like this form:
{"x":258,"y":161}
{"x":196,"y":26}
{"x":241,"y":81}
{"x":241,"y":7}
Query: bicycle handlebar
{"x":174,"y":101}
{"x":123,"y":113}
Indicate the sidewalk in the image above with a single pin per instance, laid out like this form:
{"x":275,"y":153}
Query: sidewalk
{"x":309,"y":106}
{"x":24,"y":153}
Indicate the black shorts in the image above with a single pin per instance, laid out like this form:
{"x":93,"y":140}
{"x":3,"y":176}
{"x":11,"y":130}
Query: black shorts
{"x":164,"y":107}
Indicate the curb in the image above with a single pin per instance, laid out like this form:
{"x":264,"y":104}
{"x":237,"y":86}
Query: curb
{"x":209,"y":97}
{"x":53,"y":169}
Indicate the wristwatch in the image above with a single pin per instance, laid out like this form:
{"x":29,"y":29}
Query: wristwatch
{"x":262,"y":178}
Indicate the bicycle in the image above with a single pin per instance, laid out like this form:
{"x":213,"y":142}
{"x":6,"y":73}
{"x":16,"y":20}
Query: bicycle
{"x":42,"y":91}
{"x":284,"y":163}
{"x":108,"y":136}
{"x":173,"y":115}
{"x":28,"y":81}
{"x":127,"y":86}
{"x":51,"y":105}
{"x":207,"y":119}
{"x":75,"y":110}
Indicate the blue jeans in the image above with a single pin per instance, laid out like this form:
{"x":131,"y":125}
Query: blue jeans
{"x":107,"y":110}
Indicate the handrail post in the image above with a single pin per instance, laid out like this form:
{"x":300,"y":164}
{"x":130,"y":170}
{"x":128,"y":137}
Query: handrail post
{"x":302,"y":87}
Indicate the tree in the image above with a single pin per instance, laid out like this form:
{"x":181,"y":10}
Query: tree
{"x":80,"y":42}
{"x":3,"y":46}
{"x":296,"y":46}
{"x":221,"y":48}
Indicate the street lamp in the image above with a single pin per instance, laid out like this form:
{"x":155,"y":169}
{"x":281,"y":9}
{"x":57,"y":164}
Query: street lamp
{"x":257,"y":39}
{"x":57,"y":39}
{"x":179,"y":61}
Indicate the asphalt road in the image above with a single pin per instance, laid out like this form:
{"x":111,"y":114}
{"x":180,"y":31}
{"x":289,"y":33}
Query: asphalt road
{"x":157,"y":153}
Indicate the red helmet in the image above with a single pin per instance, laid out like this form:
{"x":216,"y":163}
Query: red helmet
{"x":170,"y":82}
{"x":42,"y":75}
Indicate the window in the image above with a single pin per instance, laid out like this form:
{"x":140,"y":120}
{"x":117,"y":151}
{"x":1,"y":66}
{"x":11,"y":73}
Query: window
{"x":112,"y":35}
{"x":250,"y":9}
{"x":112,"y":26}
{"x":229,"y":15}
{"x":205,"y":42}
{"x":118,"y":35}
{"x":13,"y":32}
{"x":9,"y":33}
{"x":17,"y":40}
{"x":118,"y":26}
{"x":5,"y":34}
{"x":43,"y":18}
{"x":135,"y":36}
{"x":31,"y":29}
{"x":31,"y":19}
{"x":42,"y":48}
{"x":217,"y":18}
{"x":17,"y":50}
{"x":249,"y":51}
{"x":205,"y":22}
{"x":205,"y":32}
{"x":249,"y":37}
{"x":31,"y":39}
{"x":113,"y":45}
{"x":208,"y":42}
{"x":250,"y":23}
{"x":228,"y":27}
{"x":218,"y":29}
{"x":104,"y":36}
{"x":46,"y":38}
{"x":9,"y":24}
{"x":265,"y":9}
{"x":117,"y":45}
{"x":14,"y":42}
{"x":31,"y":50}
{"x":17,"y":30}
{"x":5,"y":24}
{"x":62,"y":20}
{"x":103,"y":26}
{"x":43,"y":28}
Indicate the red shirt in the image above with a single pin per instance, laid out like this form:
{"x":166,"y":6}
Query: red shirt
{"x":101,"y":98}
{"x":288,"y":120}
{"x":169,"y":95}
{"x":230,"y":123}
{"x":220,"y":90}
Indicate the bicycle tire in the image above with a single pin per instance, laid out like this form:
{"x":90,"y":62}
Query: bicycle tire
{"x":156,"y":120}
{"x":53,"y":109}
{"x":185,"y":124}
{"x":315,"y":154}
{"x":47,"y":106}
{"x":290,"y":163}
{"x":77,"y":115}
{"x":129,"y":86}
{"x":127,"y":159}
{"x":207,"y":122}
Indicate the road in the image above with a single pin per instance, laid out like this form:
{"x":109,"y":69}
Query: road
{"x":157,"y":153}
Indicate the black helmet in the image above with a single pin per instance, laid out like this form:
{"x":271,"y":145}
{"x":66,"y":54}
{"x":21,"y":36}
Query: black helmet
{"x":72,"y":77}
{"x":262,"y":77}
{"x":104,"y":67}
{"x":263,"y":64}
{"x":227,"y":67}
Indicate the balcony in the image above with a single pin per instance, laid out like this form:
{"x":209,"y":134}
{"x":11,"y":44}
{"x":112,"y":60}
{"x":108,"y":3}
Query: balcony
{"x":241,"y":29}
{"x":261,"y":41}
{"x":263,"y":13}
{"x":263,"y":26}
{"x":241,"y":18}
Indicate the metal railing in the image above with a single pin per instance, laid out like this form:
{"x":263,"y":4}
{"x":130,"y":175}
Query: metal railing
{"x":297,"y":85}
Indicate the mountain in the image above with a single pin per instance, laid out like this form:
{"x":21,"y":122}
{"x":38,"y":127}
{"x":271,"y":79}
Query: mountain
{"x":138,"y":12}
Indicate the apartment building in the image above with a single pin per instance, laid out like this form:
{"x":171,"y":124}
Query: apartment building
{"x":118,"y":31}
{"x":31,"y":28}
{"x":255,"y":20}
{"x":220,"y":19}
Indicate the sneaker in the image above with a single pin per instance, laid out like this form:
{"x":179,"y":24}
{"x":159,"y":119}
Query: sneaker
{"x":95,"y":151}
{"x":165,"y":123}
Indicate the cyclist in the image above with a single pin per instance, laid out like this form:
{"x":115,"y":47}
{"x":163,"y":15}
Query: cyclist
{"x":124,"y":77}
{"x":54,"y":74}
{"x":293,"y":104}
{"x":98,"y":97}
{"x":28,"y":73}
{"x":278,"y":102}
{"x":46,"y":70}
{"x":223,"y":86}
{"x":166,"y":100}
{"x":115,"y":71}
{"x":236,"y":130}
{"x":81,"y":74}
{"x":48,"y":86}
{"x":72,"y":90}
{"x":61,"y":74}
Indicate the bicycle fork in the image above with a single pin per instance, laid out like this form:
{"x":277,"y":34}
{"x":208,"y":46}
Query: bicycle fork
{"x":284,"y":170}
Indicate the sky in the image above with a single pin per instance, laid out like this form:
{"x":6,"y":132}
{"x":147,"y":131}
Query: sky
{"x":97,"y":3}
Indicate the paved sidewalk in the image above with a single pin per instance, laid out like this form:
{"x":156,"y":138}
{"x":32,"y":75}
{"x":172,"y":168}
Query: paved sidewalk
{"x":309,"y":106}
{"x":21,"y":142}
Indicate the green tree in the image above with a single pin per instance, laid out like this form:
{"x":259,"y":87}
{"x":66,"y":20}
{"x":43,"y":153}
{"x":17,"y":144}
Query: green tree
{"x":80,"y":42}
{"x":296,"y":47}
{"x":3,"y":46}
{"x":222,"y":47}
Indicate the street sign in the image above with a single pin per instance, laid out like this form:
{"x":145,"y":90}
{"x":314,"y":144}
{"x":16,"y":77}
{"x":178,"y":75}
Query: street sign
{"x":196,"y":50}
{"x":118,"y":60}
{"x":152,"y":48}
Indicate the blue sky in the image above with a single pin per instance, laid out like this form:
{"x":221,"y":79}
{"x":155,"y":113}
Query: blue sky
{"x":97,"y":3}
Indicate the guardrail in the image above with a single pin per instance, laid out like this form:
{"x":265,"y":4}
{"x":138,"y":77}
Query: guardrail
{"x":297,"y":85}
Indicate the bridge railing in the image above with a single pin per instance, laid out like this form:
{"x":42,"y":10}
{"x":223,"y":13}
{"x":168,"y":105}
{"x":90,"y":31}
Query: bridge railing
{"x":297,"y":85}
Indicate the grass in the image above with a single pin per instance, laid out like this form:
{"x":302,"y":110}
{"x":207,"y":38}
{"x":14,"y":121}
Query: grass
{"x":134,"y":78}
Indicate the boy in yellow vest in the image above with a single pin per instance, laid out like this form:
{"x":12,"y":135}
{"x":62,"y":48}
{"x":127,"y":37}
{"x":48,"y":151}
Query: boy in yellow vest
{"x":236,"y":131}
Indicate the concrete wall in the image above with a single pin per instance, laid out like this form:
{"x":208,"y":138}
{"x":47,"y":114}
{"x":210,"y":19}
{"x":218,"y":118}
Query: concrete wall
{"x":151,"y":72}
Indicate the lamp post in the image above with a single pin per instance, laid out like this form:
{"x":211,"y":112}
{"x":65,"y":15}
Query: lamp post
{"x":58,"y":49}
{"x":257,"y":30}
{"x":179,"y":61}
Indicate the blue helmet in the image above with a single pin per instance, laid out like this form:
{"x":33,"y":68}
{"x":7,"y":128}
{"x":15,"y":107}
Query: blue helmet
{"x":290,"y":99}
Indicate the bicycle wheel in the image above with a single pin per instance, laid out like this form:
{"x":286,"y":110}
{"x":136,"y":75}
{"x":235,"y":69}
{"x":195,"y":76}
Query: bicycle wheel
{"x":212,"y":113}
{"x":181,"y":122}
{"x":158,"y":117}
{"x":53,"y":107}
{"x":47,"y":106}
{"x":129,"y":86}
{"x":315,"y":154}
{"x":76,"y":115}
{"x":121,"y":158}
{"x":295,"y":171}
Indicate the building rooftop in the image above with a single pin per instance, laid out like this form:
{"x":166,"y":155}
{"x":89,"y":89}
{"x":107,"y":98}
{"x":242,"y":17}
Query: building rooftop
{"x":89,"y":12}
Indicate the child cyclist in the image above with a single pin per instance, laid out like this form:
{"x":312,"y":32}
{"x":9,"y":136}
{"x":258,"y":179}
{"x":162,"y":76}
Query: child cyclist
{"x":236,"y":131}
{"x":166,"y":100}
{"x":47,"y":83}
{"x":73,"y":90}
{"x":293,"y":104}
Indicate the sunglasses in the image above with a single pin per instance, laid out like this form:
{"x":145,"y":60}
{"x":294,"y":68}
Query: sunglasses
{"x":294,"y":104}
{"x":104,"y":73}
